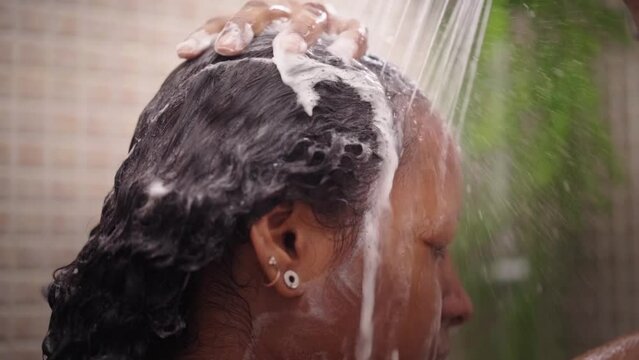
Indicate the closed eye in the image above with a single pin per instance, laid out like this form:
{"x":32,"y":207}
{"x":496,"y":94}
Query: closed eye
{"x":437,"y":244}
{"x":438,"y":251}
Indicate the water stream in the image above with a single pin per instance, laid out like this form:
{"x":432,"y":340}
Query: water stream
{"x":437,"y":44}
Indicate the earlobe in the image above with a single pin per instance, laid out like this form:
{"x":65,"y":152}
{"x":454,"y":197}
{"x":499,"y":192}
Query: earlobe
{"x":291,"y":279}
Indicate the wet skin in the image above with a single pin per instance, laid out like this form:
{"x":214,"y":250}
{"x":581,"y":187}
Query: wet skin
{"x":306,"y":22}
{"x":418,"y":295}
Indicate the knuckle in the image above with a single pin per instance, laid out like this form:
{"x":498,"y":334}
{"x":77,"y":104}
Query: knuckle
{"x":312,"y":15}
{"x":363,"y":32}
{"x":216,"y":20}
{"x":255,"y":3}
{"x":316,"y":9}
{"x":279,"y":11}
{"x":353,"y":24}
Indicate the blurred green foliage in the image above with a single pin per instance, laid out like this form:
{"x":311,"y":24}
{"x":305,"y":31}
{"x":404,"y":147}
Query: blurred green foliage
{"x":537,"y":155}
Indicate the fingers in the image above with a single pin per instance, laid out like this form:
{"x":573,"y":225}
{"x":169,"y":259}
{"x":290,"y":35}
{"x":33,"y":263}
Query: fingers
{"x":351,"y":41}
{"x":201,"y":39}
{"x":232,"y":35}
{"x":240,"y":29}
{"x":306,"y":25}
{"x":252,"y":19}
{"x":310,"y":21}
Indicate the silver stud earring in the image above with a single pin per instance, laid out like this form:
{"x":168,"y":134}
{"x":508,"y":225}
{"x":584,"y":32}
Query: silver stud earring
{"x":291,"y":279}
{"x":273,"y":262}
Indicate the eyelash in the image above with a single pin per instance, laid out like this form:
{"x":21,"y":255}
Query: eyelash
{"x":439,"y":252}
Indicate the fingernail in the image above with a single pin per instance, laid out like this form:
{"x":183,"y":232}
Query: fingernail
{"x":232,"y":40}
{"x":186,"y":47}
{"x":197,"y":42}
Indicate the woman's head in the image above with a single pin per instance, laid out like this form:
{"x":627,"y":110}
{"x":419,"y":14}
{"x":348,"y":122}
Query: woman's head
{"x":227,"y":171}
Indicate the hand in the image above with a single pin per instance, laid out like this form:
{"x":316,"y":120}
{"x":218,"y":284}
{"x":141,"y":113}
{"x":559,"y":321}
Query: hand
{"x":306,"y":23}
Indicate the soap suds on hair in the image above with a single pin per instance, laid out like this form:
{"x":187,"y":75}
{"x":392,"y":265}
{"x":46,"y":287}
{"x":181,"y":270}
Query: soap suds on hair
{"x":159,"y":113}
{"x":157,"y":189}
{"x":302,"y":73}
{"x":344,"y":48}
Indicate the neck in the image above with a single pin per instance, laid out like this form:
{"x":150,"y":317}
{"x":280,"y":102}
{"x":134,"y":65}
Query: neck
{"x":224,"y":303}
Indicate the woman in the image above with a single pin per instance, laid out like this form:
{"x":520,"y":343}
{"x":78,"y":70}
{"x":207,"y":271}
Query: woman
{"x":240,"y":224}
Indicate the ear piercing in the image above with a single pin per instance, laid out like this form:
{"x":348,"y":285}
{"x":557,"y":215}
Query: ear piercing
{"x":291,"y":279}
{"x":273,"y":263}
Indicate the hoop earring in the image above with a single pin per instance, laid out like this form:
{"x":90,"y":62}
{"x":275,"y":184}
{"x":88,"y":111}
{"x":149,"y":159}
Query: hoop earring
{"x":291,"y":279}
{"x":273,"y":263}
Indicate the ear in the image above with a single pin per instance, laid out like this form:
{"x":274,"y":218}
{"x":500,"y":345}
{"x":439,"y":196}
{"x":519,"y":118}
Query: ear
{"x":291,"y":234}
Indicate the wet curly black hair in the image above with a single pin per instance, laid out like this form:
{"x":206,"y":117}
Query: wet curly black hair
{"x":222,"y":143}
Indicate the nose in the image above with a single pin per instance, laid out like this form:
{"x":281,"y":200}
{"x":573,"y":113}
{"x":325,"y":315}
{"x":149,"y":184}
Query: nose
{"x":457,"y":308}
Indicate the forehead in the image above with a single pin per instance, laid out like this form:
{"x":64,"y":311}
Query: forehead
{"x":426,"y":189}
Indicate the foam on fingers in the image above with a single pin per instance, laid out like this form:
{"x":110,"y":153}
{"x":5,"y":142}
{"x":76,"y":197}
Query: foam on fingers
{"x":197,"y":43}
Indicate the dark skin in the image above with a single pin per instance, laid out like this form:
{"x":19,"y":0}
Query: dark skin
{"x":419,"y":297}
{"x":306,"y":23}
{"x":322,"y":315}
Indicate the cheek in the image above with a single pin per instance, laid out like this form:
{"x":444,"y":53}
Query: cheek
{"x":425,"y":299}
{"x":421,"y":323}
{"x":408,"y":305}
